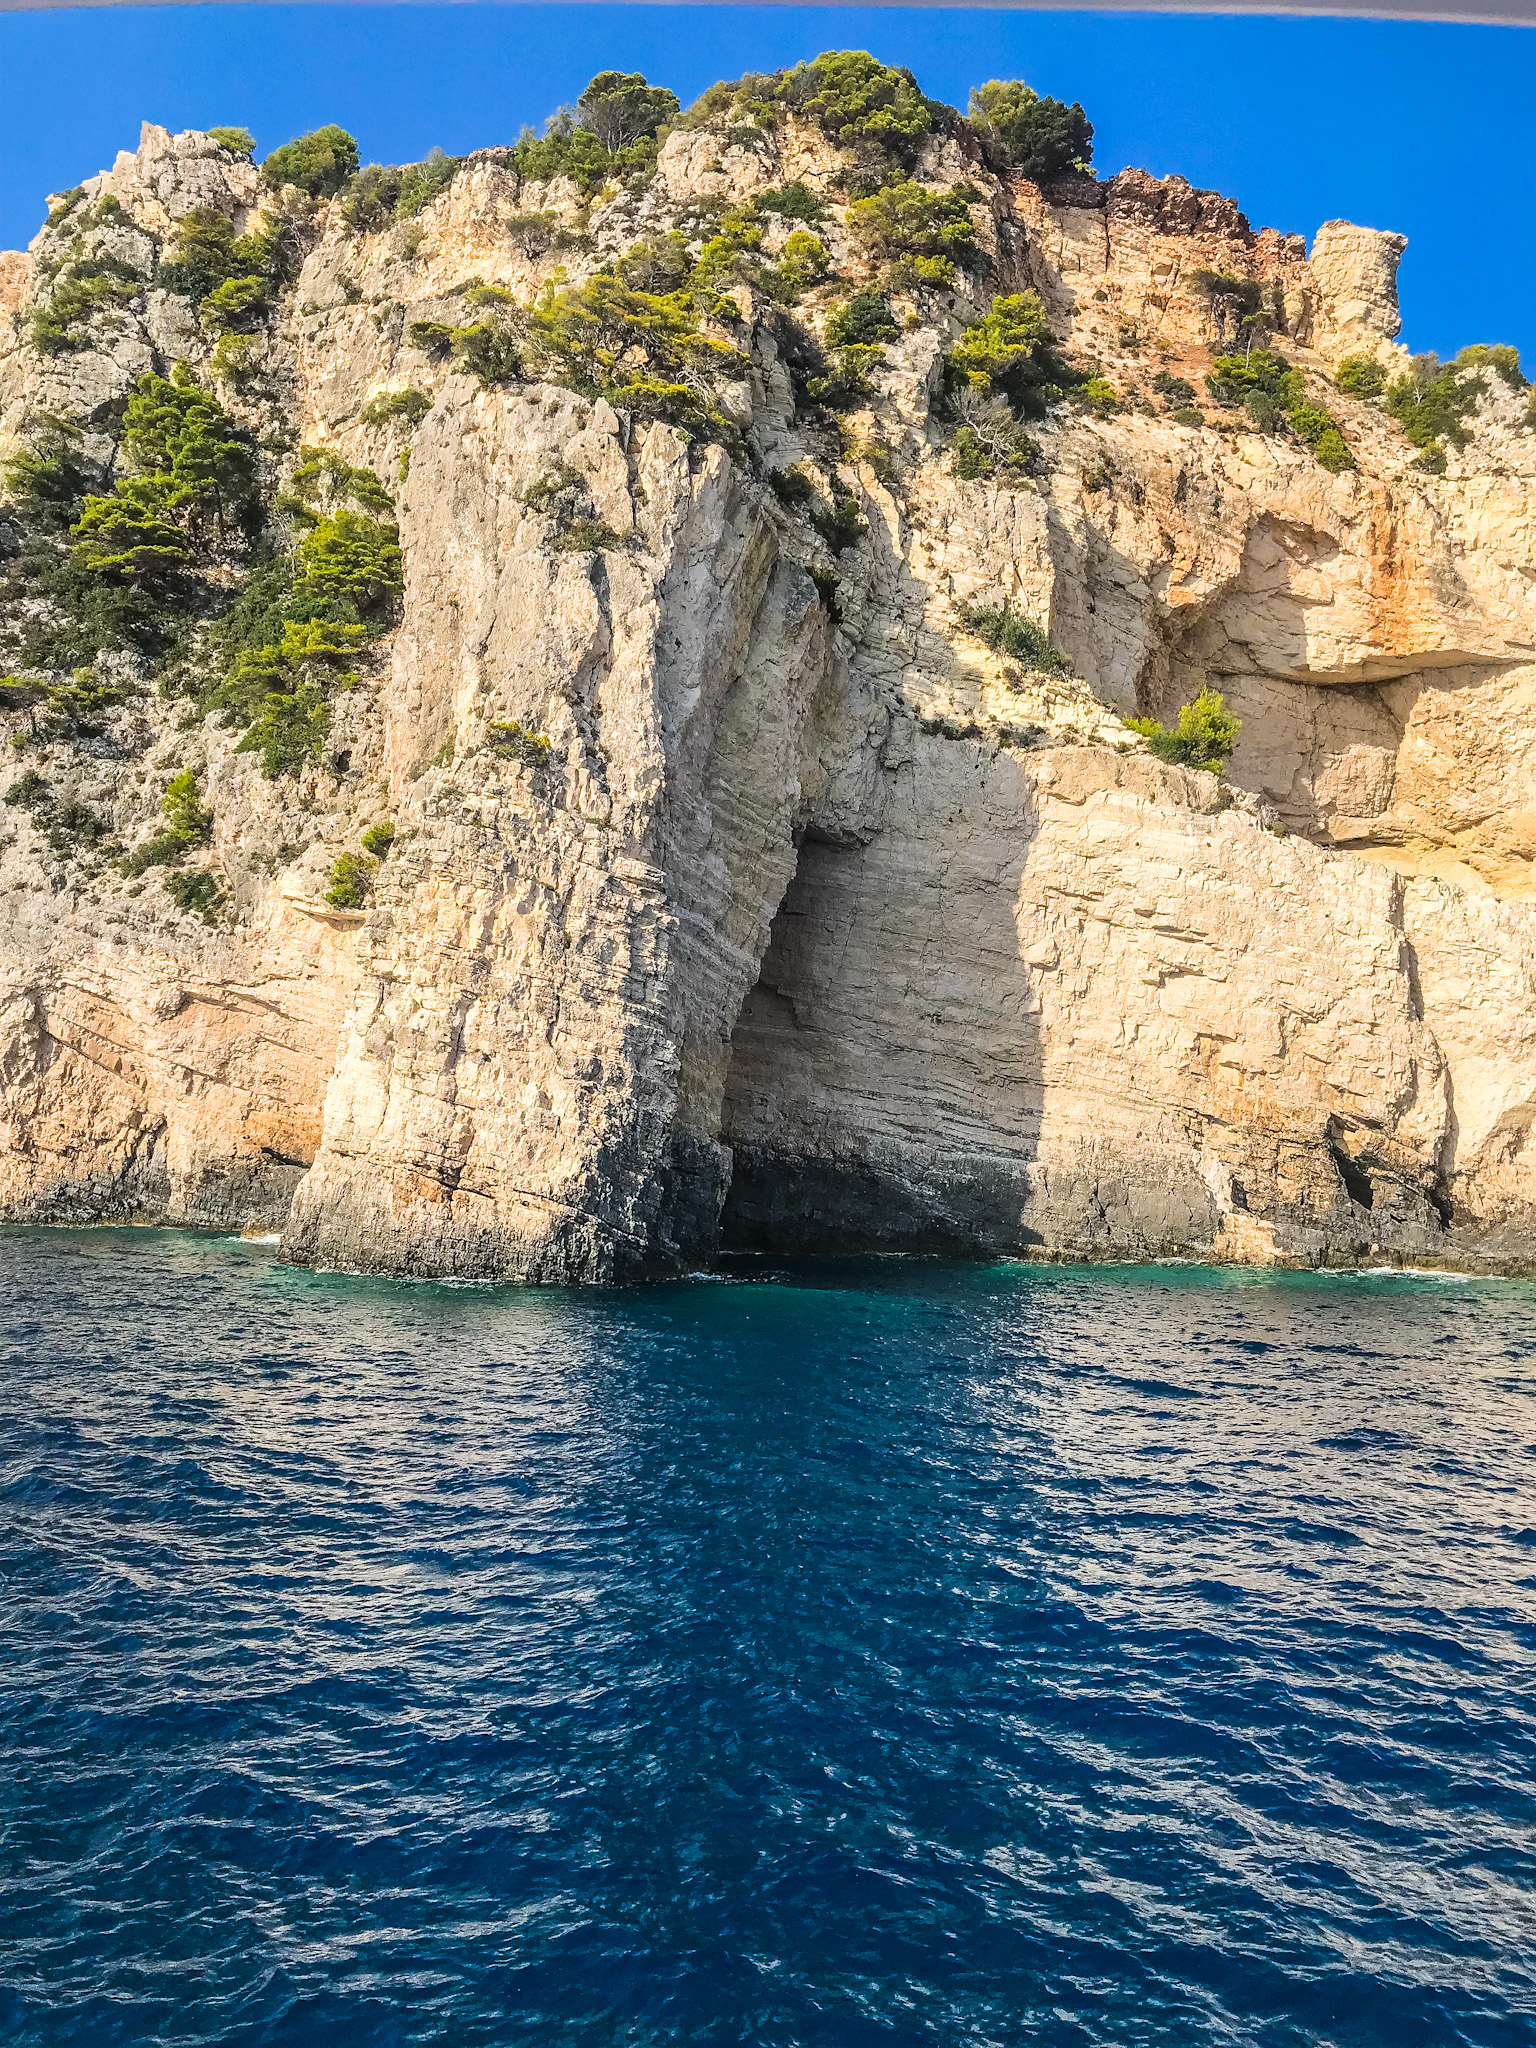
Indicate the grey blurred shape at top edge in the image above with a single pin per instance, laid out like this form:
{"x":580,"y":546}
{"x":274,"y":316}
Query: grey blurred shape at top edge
{"x":1505,"y":12}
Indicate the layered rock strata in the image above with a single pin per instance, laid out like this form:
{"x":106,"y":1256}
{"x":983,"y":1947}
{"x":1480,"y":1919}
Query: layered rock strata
{"x":819,"y":925}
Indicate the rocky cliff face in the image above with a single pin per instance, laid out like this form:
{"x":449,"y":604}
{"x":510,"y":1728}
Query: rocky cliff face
{"x":738,"y":884}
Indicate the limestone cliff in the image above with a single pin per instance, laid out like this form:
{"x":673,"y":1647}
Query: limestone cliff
{"x":747,"y":882}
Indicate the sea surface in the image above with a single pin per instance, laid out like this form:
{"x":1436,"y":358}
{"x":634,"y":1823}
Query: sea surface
{"x":856,"y":1655}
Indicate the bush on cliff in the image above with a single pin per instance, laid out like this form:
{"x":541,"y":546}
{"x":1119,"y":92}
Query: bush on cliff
{"x":1361,"y":377}
{"x":319,"y":163}
{"x":409,"y":405}
{"x":194,"y":485}
{"x":78,"y":294}
{"x":380,"y":194}
{"x":188,"y":824}
{"x":615,"y":130}
{"x":873,"y":112}
{"x":238,"y":141}
{"x":991,"y":442}
{"x":200,"y":894}
{"x":1009,"y":352}
{"x":1204,"y":736}
{"x":1002,"y":629}
{"x":1432,"y":402}
{"x":905,"y":222}
{"x":1021,"y":132}
{"x":351,"y":881}
{"x":861,"y":321}
{"x":641,"y":350}
{"x":1274,"y":395}
{"x":353,"y":559}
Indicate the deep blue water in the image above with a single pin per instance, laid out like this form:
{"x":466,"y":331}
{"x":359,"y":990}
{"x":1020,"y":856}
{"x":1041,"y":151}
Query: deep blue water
{"x":886,"y":1654}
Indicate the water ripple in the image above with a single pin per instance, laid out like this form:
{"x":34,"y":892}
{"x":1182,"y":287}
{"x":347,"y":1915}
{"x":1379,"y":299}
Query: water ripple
{"x":871,"y":1656}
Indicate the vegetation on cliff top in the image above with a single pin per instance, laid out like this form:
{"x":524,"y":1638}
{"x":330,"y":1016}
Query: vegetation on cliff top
{"x":180,"y":553}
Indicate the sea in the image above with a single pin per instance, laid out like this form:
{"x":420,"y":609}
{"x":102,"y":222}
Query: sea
{"x":840,"y":1654}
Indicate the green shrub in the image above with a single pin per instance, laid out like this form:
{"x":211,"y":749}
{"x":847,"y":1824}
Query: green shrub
{"x":353,"y":558}
{"x":236,"y":305}
{"x":1497,"y":356}
{"x":199,"y":894}
{"x":1272,"y":394}
{"x":239,"y":141}
{"x":202,"y":253}
{"x":351,"y":881}
{"x":802,"y":263}
{"x":856,"y":101}
{"x":792,"y":488}
{"x":47,"y":481}
{"x":29,"y":792}
{"x":196,"y":483}
{"x":1021,"y":132}
{"x":378,"y":839}
{"x":1188,"y":416}
{"x":1173,"y":390}
{"x":432,"y":337}
{"x":73,"y":825}
{"x":288,"y":730}
{"x":488,"y":350}
{"x":971,"y":459}
{"x":421,"y":183}
{"x":1100,"y":397}
{"x":78,"y":295}
{"x":538,"y":234}
{"x":188,"y":825}
{"x":520,"y":742}
{"x":76,"y":708}
{"x":792,"y":202}
{"x":1204,"y":737}
{"x":841,"y":523}
{"x":323,"y":475}
{"x":1022,"y":640}
{"x":129,"y":534}
{"x":1231,"y":378}
{"x":1224,"y":287}
{"x":1009,"y":350}
{"x":1361,"y":377}
{"x":828,"y":583}
{"x":642,"y":351}
{"x":556,"y":491}
{"x":319,"y":163}
{"x":382,"y":193}
{"x":67,"y":202}
{"x":846,"y":384}
{"x":564,"y":151}
{"x":1320,"y":431}
{"x":907,"y":220}
{"x":409,"y":405}
{"x":1432,"y":403}
{"x":864,"y":320}
{"x":585,"y":537}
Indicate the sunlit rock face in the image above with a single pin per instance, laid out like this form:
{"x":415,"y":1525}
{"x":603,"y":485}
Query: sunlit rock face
{"x":741,"y":888}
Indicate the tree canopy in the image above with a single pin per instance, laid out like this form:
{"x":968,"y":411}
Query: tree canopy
{"x":619,"y":107}
{"x":319,"y":163}
{"x":1022,"y":132}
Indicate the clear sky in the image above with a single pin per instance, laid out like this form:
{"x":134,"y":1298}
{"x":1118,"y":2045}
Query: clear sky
{"x":1413,"y":126}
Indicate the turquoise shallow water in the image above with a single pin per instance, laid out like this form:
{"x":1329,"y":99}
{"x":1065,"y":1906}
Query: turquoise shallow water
{"x":867,"y":1655}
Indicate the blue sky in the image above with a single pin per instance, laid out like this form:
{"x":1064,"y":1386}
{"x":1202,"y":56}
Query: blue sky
{"x":1414,"y":126}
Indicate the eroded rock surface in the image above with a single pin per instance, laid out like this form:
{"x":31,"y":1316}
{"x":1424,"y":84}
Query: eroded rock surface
{"x":817,"y":914}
